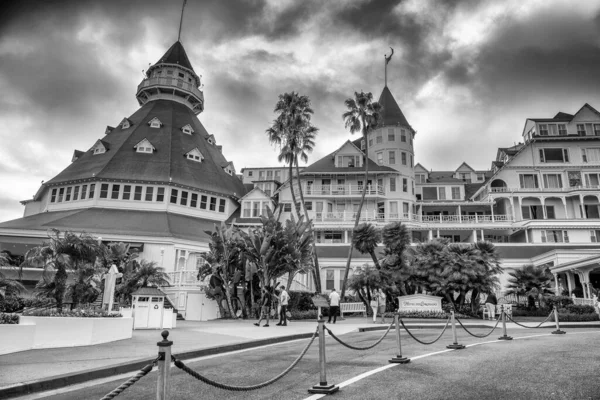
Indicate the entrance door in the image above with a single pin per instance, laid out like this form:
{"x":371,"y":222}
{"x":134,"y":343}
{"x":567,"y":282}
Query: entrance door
{"x":142,"y":308}
{"x":194,"y":307}
{"x":156,"y":312}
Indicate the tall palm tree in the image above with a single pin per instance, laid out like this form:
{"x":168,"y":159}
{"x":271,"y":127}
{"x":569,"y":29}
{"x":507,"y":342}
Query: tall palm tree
{"x":363,"y":116}
{"x":394,"y":265}
{"x":294,"y":133}
{"x":365,"y":239}
{"x":60,"y":254}
{"x":530,"y":281}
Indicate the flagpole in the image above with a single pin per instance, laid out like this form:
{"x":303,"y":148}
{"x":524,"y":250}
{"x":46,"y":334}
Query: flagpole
{"x":181,"y":20}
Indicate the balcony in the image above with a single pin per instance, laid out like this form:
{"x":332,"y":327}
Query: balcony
{"x":171,"y":83}
{"x":538,"y":190}
{"x":343,"y":190}
{"x":184,"y":278}
{"x":348,"y":217}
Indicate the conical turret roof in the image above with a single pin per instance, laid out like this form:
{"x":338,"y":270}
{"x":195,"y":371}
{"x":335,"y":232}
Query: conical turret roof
{"x":176,"y":55}
{"x":391,"y":115}
{"x":168,"y":163}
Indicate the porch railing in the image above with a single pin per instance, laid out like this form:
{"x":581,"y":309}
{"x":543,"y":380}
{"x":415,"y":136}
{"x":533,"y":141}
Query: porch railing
{"x":342,"y":190}
{"x":583,"y":302}
{"x":542,"y":189}
{"x":184,"y":278}
{"x":374,"y":216}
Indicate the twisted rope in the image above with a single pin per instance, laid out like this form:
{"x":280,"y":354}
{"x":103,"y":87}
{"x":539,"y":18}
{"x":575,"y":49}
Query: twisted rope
{"x":179,"y":364}
{"x":141,"y":373}
{"x":340,"y":341}
{"x":532,"y":327}
{"x":479,"y":336}
{"x":420,"y":341}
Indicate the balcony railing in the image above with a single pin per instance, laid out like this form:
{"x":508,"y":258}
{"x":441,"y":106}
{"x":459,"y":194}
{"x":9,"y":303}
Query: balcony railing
{"x":540,"y":189}
{"x":172,"y":82}
{"x":374,"y":216}
{"x":342,"y":190}
{"x":184,"y":278}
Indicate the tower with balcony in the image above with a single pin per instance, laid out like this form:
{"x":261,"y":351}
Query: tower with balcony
{"x":172,"y":78}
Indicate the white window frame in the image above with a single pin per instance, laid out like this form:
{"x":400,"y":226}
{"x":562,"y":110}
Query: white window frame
{"x":543,"y":130}
{"x":545,"y":179}
{"x":565,"y":155}
{"x":187,"y":129}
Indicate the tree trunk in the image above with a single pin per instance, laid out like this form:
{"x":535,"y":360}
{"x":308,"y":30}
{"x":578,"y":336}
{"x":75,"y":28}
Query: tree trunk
{"x":291,"y":276}
{"x":450,"y":300}
{"x":360,"y":206}
{"x":317,"y":269}
{"x":60,"y":279}
{"x":228,"y":297}
{"x":294,"y":200}
{"x":474,"y":302}
{"x":375,"y":260}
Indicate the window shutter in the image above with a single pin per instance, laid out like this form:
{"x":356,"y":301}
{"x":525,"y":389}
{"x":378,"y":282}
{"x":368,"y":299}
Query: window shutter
{"x":522,"y":181}
{"x":560,"y":181}
{"x":544,"y":240}
{"x":542,"y":155}
{"x":566,"y":236}
{"x":550,"y":212}
{"x":535,"y":179}
{"x":593,"y":236}
{"x":566,"y":154}
{"x":545,"y":177}
{"x":525,"y":212}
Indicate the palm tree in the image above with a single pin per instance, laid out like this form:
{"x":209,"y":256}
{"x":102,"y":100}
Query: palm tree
{"x":363,"y":281}
{"x":295,"y":135}
{"x":59,"y":255}
{"x":363,"y":116}
{"x":142,"y":274}
{"x":394,"y":266}
{"x":8,"y":287}
{"x":530,"y":281}
{"x":365,"y":239}
{"x":85,"y":287}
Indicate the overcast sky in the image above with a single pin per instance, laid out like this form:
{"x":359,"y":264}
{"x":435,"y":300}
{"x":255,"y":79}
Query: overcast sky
{"x":465,"y":73}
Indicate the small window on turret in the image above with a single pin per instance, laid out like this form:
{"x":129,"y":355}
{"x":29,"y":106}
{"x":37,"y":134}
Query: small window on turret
{"x":210,"y":141}
{"x":187,"y":129}
{"x":169,"y":72}
{"x":181,"y":75}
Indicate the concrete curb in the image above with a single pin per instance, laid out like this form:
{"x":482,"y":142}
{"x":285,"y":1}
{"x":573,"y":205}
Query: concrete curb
{"x":563,"y":325}
{"x":61,"y":381}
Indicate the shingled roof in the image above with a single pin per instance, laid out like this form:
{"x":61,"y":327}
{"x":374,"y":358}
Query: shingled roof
{"x":391,"y":115}
{"x":176,"y":55}
{"x":327,"y":165}
{"x":167,"y":164}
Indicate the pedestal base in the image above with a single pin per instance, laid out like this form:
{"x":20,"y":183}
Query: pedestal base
{"x":558,"y":332}
{"x":505,"y":337}
{"x":455,"y":346}
{"x":399,"y":360}
{"x":323,"y":389}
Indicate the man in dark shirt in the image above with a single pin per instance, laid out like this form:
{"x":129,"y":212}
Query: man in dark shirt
{"x":491,"y":303}
{"x":266,"y":307}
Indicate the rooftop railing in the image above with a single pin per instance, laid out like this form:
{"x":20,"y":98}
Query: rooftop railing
{"x":343,"y":190}
{"x":172,"y":82}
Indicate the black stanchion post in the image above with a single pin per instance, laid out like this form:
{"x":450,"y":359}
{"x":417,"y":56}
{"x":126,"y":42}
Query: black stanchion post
{"x":398,"y":359}
{"x":504,"y":335}
{"x":323,"y":387}
{"x":557,"y":331}
{"x":455,"y":345}
{"x":164,"y":367}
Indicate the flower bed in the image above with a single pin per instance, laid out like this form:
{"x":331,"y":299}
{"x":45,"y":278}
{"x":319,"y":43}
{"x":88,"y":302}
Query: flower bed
{"x":79,"y":313}
{"x":568,"y":317}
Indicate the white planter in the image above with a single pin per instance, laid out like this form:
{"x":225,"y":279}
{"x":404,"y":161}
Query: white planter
{"x":16,"y":337}
{"x":51,"y":332}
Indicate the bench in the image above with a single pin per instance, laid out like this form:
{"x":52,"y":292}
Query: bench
{"x":352,"y":308}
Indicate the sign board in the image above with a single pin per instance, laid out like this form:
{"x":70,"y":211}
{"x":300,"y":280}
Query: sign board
{"x":419,"y":302}
{"x":320,"y":301}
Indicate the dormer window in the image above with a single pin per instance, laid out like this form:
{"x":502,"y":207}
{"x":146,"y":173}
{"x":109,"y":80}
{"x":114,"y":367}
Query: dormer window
{"x":99,"y":147}
{"x":155,"y":123}
{"x":211,"y":139}
{"x":108,"y":130}
{"x":228,"y":171}
{"x":125,"y":123}
{"x":187,"y":129}
{"x":169,"y":72}
{"x":229,"y":168}
{"x":194,"y":155}
{"x":144,"y":147}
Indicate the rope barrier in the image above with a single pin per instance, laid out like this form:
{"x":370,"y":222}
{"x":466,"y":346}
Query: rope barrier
{"x":531,"y":327}
{"x":179,"y":364}
{"x":141,"y":373}
{"x":340,"y":341}
{"x":420,"y":341}
{"x":479,"y":336}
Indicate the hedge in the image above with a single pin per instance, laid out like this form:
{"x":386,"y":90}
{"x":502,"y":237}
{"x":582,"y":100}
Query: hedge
{"x":14,"y":304}
{"x":9,"y":319}
{"x":564,"y":317}
{"x":79,"y":313}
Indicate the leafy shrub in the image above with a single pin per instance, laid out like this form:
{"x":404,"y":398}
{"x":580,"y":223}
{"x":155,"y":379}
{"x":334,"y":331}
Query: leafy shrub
{"x":464,"y":309}
{"x":558,"y":301}
{"x":9,"y":319}
{"x":300,"y":301}
{"x":298,"y":315}
{"x":539,"y":312}
{"x":564,"y":317}
{"x":78,"y":313}
{"x":14,"y":304}
{"x":580,"y":309}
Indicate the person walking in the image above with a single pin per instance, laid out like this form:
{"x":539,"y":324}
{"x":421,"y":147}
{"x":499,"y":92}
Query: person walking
{"x":284,"y":299}
{"x":374,"y":304}
{"x":266,"y":307}
{"x":490,"y":302}
{"x":334,"y":305}
{"x":381,"y":306}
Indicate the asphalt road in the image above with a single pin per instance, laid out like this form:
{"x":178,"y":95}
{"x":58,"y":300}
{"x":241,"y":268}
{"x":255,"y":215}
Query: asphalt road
{"x":529,"y":367}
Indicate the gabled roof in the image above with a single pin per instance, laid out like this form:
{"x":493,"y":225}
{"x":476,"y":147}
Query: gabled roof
{"x":176,"y":55}
{"x":211,"y":137}
{"x":586,"y":105}
{"x":145,"y":142}
{"x":167,"y":165}
{"x":196,"y":151}
{"x":562,"y":115}
{"x":327,"y":165}
{"x":101,"y":143}
{"x":148,"y":291}
{"x":256,"y":189}
{"x":125,"y":123}
{"x":77,"y":154}
{"x":391,"y":114}
{"x":419,"y":165}
{"x":189,"y":127}
{"x":108,"y":129}
{"x":155,"y":119}
{"x":466,"y":165}
{"x":352,"y":144}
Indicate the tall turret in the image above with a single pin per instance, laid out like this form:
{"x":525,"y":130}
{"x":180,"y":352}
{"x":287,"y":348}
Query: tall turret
{"x":172,"y":78}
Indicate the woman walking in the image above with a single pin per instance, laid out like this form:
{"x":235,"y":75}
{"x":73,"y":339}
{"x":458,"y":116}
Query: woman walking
{"x":374,"y":304}
{"x":382,"y":304}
